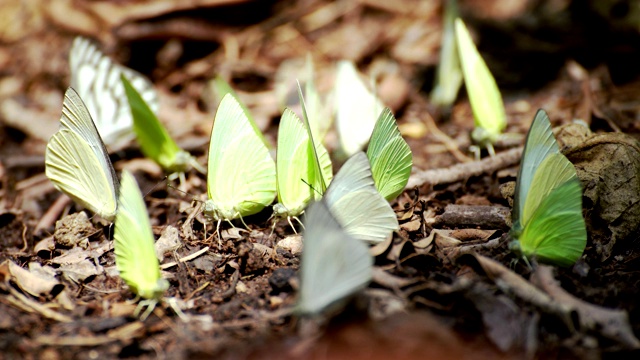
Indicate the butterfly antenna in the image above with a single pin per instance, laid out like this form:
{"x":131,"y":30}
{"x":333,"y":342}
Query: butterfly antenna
{"x":193,"y":197}
{"x":311,"y":186}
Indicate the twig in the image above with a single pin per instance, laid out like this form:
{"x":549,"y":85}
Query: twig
{"x":462,"y":171}
{"x":611,"y":323}
{"x":185,"y":259}
{"x":483,"y":217}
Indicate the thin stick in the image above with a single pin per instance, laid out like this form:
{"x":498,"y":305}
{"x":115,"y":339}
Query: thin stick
{"x":465,"y":170}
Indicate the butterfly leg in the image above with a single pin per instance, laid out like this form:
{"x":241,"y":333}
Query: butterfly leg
{"x":150,"y":304}
{"x":176,"y":308}
{"x":196,"y":165}
{"x":299,"y":222}
{"x":273,"y":228}
{"x":218,"y":233}
{"x":291,"y":224}
{"x":491,"y":150}
{"x":475,"y":150}
{"x":243,"y":223}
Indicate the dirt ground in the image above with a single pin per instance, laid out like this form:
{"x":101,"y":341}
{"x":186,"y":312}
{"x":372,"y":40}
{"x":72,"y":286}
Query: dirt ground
{"x":446,"y":286}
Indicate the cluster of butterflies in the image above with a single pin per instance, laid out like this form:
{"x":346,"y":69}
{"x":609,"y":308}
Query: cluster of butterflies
{"x":461,"y":61}
{"x":348,"y":210}
{"x":242,"y":176}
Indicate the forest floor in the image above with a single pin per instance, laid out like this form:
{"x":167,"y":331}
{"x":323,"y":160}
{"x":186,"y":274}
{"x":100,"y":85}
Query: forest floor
{"x":445,"y":286}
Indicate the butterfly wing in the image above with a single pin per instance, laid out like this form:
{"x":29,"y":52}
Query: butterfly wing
{"x":483,"y":92}
{"x":390,"y":156}
{"x":554,"y":171}
{"x":357,"y":109}
{"x":540,"y":143}
{"x":319,"y":113}
{"x":334,"y":265}
{"x":241,"y":176}
{"x":134,"y":243}
{"x":293,"y":164}
{"x":448,"y":72}
{"x":321,"y":171}
{"x":97,"y":79}
{"x":77,"y":163}
{"x":154,"y":139}
{"x":357,"y":205}
{"x":556,"y":232}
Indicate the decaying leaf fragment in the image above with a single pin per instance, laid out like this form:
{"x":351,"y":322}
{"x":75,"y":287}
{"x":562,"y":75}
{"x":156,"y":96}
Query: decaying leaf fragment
{"x":608,"y":166}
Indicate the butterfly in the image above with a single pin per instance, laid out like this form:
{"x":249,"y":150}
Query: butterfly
{"x":547,"y":211}
{"x":334,"y":264}
{"x":357,"y":109}
{"x":154,"y":139}
{"x":486,"y":102}
{"x":448,"y":73}
{"x":302,"y":173}
{"x":134,"y":246}
{"x":77,"y":163}
{"x":356,"y":203}
{"x":389,"y":156}
{"x":96,"y":78}
{"x":241,"y":177}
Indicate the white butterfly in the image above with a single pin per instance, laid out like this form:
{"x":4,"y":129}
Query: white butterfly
{"x":357,"y":109}
{"x":334,"y":265}
{"x":96,"y":78}
{"x":356,"y":203}
{"x":77,"y":162}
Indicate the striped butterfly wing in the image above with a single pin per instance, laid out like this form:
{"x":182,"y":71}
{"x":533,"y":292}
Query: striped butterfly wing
{"x":96,"y":78}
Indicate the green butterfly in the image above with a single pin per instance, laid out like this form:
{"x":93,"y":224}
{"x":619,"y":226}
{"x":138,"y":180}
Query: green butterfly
{"x":484,"y":95}
{"x":134,"y":247}
{"x":154,"y":138}
{"x":298,"y":178}
{"x":77,"y":162}
{"x":334,"y":264}
{"x":356,"y":203}
{"x":241,"y":177}
{"x":390,"y":156}
{"x":448,"y":72}
{"x":547,"y":212}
